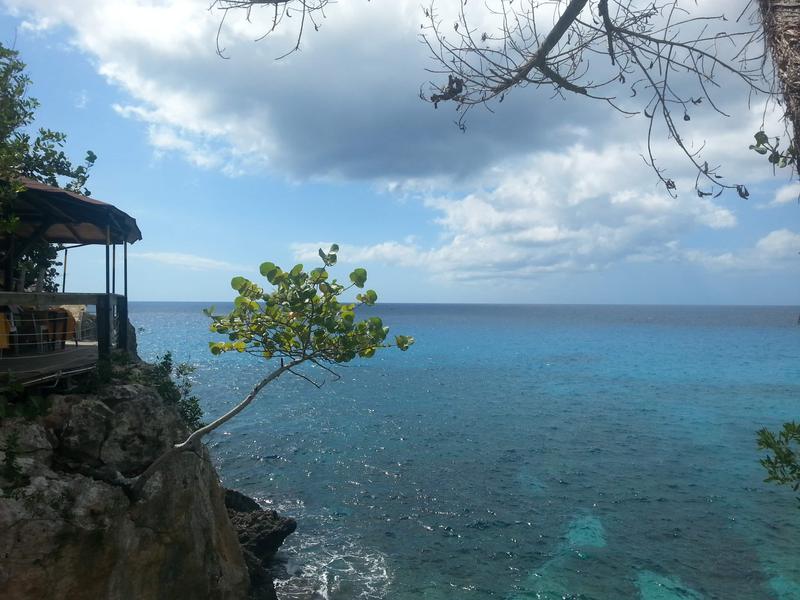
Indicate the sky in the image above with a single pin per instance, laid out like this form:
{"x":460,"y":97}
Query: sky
{"x":229,"y":162}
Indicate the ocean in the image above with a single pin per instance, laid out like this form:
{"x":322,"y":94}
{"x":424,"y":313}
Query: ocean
{"x":519,"y":452}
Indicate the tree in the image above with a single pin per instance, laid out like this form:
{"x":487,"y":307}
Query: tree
{"x":36,"y":155}
{"x":783,"y":465}
{"x":300,"y":321}
{"x":658,"y":59}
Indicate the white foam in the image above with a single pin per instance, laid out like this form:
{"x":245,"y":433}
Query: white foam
{"x":322,"y":569}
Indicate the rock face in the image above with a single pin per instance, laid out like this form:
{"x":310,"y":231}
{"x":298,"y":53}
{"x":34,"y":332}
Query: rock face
{"x":261,"y":533}
{"x":66,"y":533}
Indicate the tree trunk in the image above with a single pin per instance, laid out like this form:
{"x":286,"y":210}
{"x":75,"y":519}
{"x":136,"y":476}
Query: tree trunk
{"x":781,"y":20}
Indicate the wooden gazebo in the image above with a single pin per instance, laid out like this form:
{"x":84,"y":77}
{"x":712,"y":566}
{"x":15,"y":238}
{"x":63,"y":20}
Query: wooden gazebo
{"x":70,"y":220}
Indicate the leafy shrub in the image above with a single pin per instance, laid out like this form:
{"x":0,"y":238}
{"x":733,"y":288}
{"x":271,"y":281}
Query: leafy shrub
{"x":18,"y":401}
{"x":173,"y":383}
{"x":10,"y":470}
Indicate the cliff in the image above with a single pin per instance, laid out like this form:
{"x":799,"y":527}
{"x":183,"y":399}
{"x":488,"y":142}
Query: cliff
{"x":66,"y":532}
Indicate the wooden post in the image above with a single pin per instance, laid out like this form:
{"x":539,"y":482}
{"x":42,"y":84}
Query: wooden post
{"x":114,"y":269}
{"x":125,"y":269}
{"x":103,"y":326}
{"x":108,"y":259}
{"x":122,"y":323}
{"x":64,"y":272}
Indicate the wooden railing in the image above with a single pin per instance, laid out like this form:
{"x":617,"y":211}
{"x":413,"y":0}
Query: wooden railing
{"x":112,"y":312}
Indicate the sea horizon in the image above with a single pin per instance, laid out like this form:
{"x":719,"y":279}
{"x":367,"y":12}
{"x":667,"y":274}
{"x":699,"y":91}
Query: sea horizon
{"x":381,"y":302}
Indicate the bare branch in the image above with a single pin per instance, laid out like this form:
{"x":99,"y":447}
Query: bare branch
{"x":663,"y":56}
{"x":675,"y":56}
{"x":309,"y":10}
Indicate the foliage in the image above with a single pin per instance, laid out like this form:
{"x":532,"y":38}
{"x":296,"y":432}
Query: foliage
{"x":783,"y":465}
{"x":40,"y":260}
{"x":37,"y":155}
{"x":302,"y":317}
{"x":775,"y":156}
{"x":173,"y":383}
{"x":11,"y":471}
{"x":19,"y":401}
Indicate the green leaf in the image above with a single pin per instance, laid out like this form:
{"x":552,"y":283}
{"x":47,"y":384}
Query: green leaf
{"x":296,"y":270}
{"x":318,"y":275}
{"x":275,"y":276}
{"x":761,"y":138}
{"x":370,"y":297}
{"x":403,"y":341}
{"x":237,"y":283}
{"x":266,"y":268}
{"x":359,"y":277}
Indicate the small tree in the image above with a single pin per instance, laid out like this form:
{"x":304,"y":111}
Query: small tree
{"x":301,"y":320}
{"x":783,"y":465}
{"x":36,"y":155}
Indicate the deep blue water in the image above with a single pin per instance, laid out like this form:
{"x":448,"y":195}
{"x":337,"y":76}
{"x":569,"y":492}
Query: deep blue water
{"x":515,"y":452}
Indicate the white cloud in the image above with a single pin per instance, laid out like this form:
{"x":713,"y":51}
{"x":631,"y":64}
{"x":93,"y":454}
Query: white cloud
{"x":778,"y":249}
{"x":787,"y":194}
{"x":576,"y":210}
{"x":543,"y":185}
{"x":189,"y":261}
{"x":81,"y":100}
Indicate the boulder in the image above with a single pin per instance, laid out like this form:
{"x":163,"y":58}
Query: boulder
{"x":261,"y":532}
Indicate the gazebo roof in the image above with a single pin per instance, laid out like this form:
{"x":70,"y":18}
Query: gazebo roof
{"x":61,"y":216}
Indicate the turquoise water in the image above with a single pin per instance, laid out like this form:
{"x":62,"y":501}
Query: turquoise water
{"x":521,"y":452}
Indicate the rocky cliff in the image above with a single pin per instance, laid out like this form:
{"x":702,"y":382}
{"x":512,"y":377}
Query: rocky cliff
{"x":67,"y":533}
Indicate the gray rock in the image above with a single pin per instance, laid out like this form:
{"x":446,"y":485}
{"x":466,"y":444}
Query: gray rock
{"x":142,"y":427}
{"x":84,"y":430}
{"x":261,"y":532}
{"x":65,"y":534}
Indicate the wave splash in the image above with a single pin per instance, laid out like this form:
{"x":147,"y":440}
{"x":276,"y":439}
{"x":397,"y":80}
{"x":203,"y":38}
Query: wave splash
{"x":331,"y":567}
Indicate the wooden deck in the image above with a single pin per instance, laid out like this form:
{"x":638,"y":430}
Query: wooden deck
{"x":43,"y":368}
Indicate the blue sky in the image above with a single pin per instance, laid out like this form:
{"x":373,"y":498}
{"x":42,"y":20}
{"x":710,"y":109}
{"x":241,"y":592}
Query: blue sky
{"x":227,"y":163}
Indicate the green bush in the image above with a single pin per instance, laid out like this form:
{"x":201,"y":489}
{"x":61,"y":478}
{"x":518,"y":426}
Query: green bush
{"x":18,"y":401}
{"x":173,"y":383}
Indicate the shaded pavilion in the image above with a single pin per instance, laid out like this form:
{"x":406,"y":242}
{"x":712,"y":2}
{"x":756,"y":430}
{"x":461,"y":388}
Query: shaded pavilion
{"x":70,"y":220}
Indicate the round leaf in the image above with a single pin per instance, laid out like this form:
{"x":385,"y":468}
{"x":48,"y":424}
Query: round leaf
{"x":359,"y":277}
